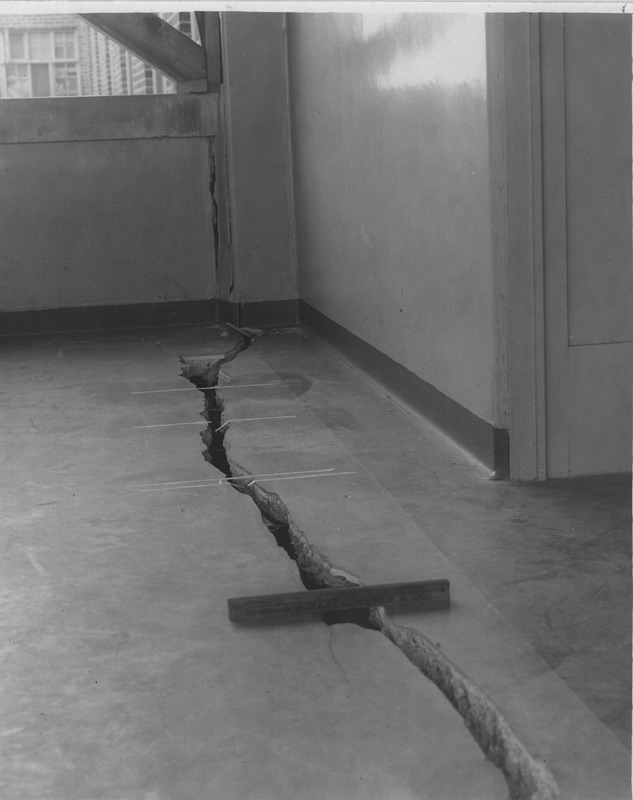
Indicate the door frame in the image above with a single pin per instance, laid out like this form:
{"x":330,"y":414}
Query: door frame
{"x":516,"y":157}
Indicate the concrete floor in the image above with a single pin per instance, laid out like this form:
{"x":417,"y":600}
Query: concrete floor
{"x":124,"y":679}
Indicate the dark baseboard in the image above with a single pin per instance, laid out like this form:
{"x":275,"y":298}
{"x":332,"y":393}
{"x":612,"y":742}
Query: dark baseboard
{"x":488,"y":444}
{"x":266,"y":314}
{"x":93,"y":318}
{"x":226,"y":312}
{"x":272,"y":314}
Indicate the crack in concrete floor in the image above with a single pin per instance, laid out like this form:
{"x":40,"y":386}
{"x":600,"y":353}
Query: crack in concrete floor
{"x":526,"y":778}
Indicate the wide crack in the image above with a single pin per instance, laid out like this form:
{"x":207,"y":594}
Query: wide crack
{"x":526,"y":778}
{"x":312,"y":571}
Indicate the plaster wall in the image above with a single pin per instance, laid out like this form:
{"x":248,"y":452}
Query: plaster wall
{"x":105,"y":222}
{"x":392,"y":171}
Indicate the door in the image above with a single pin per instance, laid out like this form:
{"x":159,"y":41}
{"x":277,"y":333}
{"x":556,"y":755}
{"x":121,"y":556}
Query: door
{"x":587,"y":274}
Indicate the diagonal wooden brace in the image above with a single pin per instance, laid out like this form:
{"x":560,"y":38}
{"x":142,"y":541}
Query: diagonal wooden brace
{"x":154,"y":41}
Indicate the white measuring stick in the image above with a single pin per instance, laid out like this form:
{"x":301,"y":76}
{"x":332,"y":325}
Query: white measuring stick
{"x":253,"y":419}
{"x":202,"y":388}
{"x":171,"y":424}
{"x":227,"y":481}
{"x":299,"y":477}
{"x":206,"y":481}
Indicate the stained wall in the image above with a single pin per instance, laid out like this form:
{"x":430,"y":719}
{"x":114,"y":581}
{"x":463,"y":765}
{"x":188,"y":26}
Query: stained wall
{"x":391,"y":179}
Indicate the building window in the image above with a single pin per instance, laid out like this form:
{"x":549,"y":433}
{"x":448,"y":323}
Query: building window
{"x":149,"y":80}
{"x":18,"y":80}
{"x":42,"y":63}
{"x":66,"y":80}
{"x":65,"y":45}
{"x":17,"y":46}
{"x":184,"y":23}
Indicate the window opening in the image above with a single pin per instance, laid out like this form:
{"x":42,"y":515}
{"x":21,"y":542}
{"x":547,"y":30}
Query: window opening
{"x":60,"y":55}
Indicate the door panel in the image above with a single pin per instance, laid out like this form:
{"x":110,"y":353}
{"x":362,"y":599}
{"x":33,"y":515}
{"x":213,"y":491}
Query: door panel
{"x":600,"y":408}
{"x":588,"y":281}
{"x":598,"y":128}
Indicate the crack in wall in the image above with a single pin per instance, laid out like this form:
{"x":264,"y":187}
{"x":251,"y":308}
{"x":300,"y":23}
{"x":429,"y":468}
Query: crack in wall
{"x":215,"y":218}
{"x":526,"y":778}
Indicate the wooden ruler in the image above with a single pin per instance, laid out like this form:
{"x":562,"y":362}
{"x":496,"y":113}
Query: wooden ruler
{"x":424,"y":595}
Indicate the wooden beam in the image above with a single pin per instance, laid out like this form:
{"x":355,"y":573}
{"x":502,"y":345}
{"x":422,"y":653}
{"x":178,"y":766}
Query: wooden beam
{"x":154,"y":41}
{"x":425,"y":595}
{"x":209,"y":28}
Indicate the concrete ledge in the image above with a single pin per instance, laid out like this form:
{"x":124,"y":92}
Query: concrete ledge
{"x":488,"y":444}
{"x":74,"y":119}
{"x":136,"y":315}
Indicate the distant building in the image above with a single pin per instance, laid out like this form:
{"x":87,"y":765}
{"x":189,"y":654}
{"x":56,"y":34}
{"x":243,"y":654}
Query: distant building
{"x":60,"y":55}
